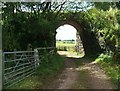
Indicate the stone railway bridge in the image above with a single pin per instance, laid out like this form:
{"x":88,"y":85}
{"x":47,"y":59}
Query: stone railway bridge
{"x":90,"y":43}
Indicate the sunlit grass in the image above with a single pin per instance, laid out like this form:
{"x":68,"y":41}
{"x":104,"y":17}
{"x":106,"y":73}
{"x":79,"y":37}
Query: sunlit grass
{"x":70,"y":48}
{"x":65,"y":43}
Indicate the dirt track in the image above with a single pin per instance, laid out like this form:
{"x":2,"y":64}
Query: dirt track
{"x":86,"y":76}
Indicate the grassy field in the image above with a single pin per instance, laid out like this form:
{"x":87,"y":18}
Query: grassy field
{"x":62,"y":43}
{"x":69,"y":46}
{"x":65,"y":45}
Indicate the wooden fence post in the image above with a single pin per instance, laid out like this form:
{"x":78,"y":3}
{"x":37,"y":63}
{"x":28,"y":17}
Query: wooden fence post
{"x":36,"y":55}
{"x":1,"y":57}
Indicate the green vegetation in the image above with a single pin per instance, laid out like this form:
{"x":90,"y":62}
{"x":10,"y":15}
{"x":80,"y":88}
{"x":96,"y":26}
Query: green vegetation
{"x":50,"y":65}
{"x":110,"y":66}
{"x":49,"y":68}
{"x":106,"y":25}
{"x":36,"y":27}
{"x":65,"y":45}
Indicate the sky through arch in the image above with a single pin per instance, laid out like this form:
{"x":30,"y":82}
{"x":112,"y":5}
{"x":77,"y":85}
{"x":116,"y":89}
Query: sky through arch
{"x":66,"y":32}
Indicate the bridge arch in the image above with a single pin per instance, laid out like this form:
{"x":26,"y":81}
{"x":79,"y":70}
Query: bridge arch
{"x":90,"y":43}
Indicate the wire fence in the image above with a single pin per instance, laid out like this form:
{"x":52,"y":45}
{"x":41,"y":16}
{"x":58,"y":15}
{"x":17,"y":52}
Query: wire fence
{"x":21,"y":64}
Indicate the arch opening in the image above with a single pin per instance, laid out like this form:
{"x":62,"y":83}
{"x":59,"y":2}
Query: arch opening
{"x":68,"y":39}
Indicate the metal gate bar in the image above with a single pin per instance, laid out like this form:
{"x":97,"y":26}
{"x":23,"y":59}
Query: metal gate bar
{"x":21,"y":64}
{"x":17,"y":65}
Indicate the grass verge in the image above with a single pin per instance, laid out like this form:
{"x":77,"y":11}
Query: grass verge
{"x":110,"y":67}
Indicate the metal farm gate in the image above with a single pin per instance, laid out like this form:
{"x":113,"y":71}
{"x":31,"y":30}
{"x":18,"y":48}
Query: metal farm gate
{"x":21,"y":64}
